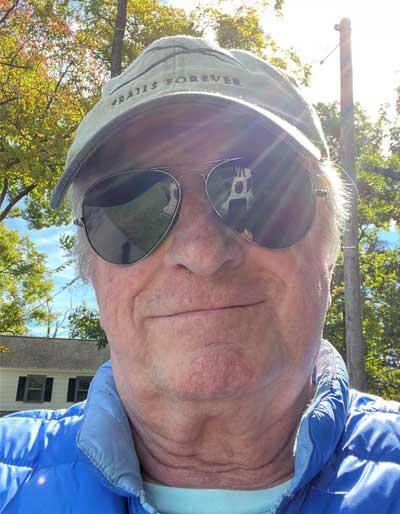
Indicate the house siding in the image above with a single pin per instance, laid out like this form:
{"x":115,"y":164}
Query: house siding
{"x":60,"y":359}
{"x":9,"y":383}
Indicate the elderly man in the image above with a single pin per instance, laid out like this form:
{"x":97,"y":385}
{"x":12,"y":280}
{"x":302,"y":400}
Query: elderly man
{"x":209,"y":223}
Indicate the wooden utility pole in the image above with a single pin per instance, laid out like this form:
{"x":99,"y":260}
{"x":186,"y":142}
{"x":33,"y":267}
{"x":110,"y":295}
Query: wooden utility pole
{"x":355,"y":347}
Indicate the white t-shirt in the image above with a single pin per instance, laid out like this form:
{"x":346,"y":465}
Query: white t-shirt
{"x":181,"y":500}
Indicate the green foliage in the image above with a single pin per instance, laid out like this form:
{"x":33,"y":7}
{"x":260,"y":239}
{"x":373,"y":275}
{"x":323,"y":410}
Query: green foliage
{"x":84,"y":323}
{"x":147,"y":20}
{"x":54,"y":60}
{"x":237,"y":25}
{"x":377,"y":144}
{"x":44,"y":73}
{"x":24,"y":283}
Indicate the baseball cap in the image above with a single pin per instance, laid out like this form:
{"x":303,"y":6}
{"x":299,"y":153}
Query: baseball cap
{"x":188,"y":69}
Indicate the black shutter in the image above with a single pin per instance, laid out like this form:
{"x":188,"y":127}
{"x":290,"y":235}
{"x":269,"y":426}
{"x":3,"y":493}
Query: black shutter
{"x":48,"y":390}
{"x":20,"y":389}
{"x":71,"y":389}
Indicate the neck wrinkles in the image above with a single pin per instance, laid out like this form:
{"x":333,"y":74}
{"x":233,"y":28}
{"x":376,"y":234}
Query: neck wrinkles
{"x":248,"y":445}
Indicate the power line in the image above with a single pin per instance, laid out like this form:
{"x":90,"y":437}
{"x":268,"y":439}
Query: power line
{"x":330,"y":53}
{"x":66,"y":286}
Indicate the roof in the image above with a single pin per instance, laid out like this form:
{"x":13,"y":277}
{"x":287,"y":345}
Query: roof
{"x":51,"y":353}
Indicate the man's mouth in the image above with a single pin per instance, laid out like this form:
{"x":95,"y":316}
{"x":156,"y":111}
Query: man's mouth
{"x":208,"y":310}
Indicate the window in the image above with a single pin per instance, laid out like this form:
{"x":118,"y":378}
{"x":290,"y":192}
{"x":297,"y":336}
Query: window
{"x":78,"y":388}
{"x":34,"y":389}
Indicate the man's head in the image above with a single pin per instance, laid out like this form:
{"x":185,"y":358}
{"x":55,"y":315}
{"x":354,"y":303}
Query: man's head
{"x":201,"y":295}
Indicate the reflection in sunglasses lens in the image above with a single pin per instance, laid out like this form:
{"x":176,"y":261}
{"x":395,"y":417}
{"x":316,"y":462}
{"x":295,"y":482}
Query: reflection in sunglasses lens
{"x":127,"y":215}
{"x":270,"y":202}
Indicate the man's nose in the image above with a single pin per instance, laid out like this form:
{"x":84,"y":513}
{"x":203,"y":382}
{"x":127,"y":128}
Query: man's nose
{"x":199,"y":241}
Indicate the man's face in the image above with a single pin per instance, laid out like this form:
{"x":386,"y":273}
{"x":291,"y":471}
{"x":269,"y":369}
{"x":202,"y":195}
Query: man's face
{"x":209,"y":315}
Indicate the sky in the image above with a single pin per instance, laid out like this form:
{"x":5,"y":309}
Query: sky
{"x":308,"y":27}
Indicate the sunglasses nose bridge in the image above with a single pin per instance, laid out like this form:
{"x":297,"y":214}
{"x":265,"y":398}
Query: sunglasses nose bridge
{"x":188,"y":187}
{"x":201,"y":173}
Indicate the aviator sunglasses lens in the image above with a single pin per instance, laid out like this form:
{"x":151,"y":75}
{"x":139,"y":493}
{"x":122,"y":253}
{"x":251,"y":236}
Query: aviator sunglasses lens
{"x":127,"y":215}
{"x":270,"y":202}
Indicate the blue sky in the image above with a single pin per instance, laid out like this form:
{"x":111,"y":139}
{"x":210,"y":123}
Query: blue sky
{"x":391,"y":238}
{"x":47,"y":241}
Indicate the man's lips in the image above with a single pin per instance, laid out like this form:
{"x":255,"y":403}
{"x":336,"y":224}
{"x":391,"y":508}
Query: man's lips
{"x":188,"y":312}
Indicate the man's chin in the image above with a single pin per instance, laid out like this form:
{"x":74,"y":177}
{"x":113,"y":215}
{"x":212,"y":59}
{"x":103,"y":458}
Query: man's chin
{"x":215,"y":372}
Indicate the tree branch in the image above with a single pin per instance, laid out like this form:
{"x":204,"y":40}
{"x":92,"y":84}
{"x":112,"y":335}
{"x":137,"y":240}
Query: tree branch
{"x":385,"y":172}
{"x":12,"y":162}
{"x":24,"y":269}
{"x":50,"y":101}
{"x":19,"y":49}
{"x":8,"y":12}
{"x":59,"y":323}
{"x":66,"y":286}
{"x":21,"y":133}
{"x":3,"y":191}
{"x":361,"y":233}
{"x":12,"y":58}
{"x":5,"y":270}
{"x":4,"y":102}
{"x":20,"y":66}
{"x":16,"y":199}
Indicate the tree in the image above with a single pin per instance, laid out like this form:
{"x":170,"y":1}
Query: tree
{"x":84,"y":323}
{"x":54,"y":59}
{"x":46,"y":84}
{"x":377,"y":147}
{"x":24,"y":283}
{"x":118,"y":38}
{"x":146,"y":21}
{"x":238,"y":25}
{"x":51,"y":72}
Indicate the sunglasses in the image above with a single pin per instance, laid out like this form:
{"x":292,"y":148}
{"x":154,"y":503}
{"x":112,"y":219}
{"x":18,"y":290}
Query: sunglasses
{"x":270,"y":202}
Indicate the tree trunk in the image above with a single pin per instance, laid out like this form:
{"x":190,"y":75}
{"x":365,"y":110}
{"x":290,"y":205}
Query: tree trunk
{"x":118,"y":38}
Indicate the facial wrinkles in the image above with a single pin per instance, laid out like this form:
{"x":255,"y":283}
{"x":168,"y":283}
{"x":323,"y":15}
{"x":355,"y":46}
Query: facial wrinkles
{"x":179,"y":289}
{"x":116,"y":289}
{"x":308,"y":293}
{"x":129,"y":290}
{"x":237,"y":327}
{"x":135,"y":296}
{"x":183,"y":291}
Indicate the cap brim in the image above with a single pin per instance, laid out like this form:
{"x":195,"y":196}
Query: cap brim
{"x":293,"y":136}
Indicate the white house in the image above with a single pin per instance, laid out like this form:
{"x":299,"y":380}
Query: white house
{"x":46,"y":373}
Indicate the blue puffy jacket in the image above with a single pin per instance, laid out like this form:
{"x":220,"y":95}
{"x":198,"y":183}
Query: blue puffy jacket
{"x":82,"y":460}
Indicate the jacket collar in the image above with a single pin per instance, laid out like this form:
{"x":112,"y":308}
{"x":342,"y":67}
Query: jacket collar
{"x":105,"y":436}
{"x":323,"y":421}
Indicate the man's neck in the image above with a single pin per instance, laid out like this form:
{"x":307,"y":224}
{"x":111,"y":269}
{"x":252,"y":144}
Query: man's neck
{"x":236,"y":445}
